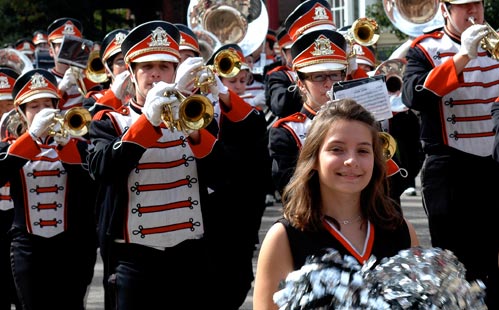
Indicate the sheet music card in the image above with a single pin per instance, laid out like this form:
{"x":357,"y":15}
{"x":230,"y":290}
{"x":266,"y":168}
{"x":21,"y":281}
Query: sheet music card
{"x":370,"y":92}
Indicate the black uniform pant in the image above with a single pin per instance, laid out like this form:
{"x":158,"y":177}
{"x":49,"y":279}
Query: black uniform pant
{"x":8,"y":295}
{"x":174,"y":278}
{"x":52,"y":273}
{"x":459,"y":196}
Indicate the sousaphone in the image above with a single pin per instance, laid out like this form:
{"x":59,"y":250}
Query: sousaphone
{"x":230,"y":21}
{"x":412,"y":17}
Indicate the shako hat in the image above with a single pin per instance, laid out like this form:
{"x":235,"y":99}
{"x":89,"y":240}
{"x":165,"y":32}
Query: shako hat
{"x":64,"y":26}
{"x":188,"y":39}
{"x":235,"y":48}
{"x":364,"y":55}
{"x":309,"y":15}
{"x":152,"y":41}
{"x":283,"y":39}
{"x":111,"y":44}
{"x":319,"y":50}
{"x":7,"y":79}
{"x":35,"y":84}
{"x":39,"y":37}
{"x":25,"y":46}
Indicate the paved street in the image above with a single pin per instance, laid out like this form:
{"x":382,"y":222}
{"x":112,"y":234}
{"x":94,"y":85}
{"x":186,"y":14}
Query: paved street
{"x":411,"y":205}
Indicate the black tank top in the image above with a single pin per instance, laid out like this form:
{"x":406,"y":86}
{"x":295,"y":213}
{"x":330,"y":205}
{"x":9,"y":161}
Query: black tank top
{"x":386,"y":243}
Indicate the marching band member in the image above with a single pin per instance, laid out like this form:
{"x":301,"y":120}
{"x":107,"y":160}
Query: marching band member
{"x":245,"y":142}
{"x":110,"y":55}
{"x":7,"y":287}
{"x":72,"y":86}
{"x":189,"y":44}
{"x":53,"y":249}
{"x":452,"y":81}
{"x":280,"y":94}
{"x":319,"y":60}
{"x":155,"y":175}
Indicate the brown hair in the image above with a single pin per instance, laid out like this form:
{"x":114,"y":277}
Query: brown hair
{"x":301,"y":197}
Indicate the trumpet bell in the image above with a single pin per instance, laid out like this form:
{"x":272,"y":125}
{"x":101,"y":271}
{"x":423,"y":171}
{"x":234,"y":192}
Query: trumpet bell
{"x":227,"y":63}
{"x":196,"y":112}
{"x":365,"y":31}
{"x":413,"y":16}
{"x":389,"y":144}
{"x":76,"y":121}
{"x":393,"y":70}
{"x":96,"y":71}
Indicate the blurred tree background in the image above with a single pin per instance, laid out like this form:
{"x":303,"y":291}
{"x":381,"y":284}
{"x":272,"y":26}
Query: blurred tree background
{"x":20,"y":18}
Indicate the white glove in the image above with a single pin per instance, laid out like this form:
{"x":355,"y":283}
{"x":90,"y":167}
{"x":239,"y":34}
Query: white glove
{"x":186,"y":73}
{"x":215,"y":88}
{"x":68,"y":80}
{"x":120,"y":84}
{"x":41,"y":122}
{"x":156,"y":101}
{"x":257,"y":101}
{"x":62,"y":140}
{"x":470,"y":39}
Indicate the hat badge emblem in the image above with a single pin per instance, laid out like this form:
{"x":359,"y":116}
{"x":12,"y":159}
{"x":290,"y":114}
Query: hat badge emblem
{"x":68,"y":29}
{"x":320,"y":13}
{"x":358,"y":50}
{"x":322,"y":47}
{"x":159,"y":38}
{"x":119,"y":37}
{"x":4,"y":82}
{"x":38,"y":81}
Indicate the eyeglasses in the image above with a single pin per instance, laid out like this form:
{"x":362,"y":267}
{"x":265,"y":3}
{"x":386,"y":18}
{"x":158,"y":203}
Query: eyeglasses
{"x":119,"y":62}
{"x":322,"y":77}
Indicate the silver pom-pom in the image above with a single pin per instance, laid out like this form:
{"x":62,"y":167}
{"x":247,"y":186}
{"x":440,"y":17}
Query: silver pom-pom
{"x":417,"y":278}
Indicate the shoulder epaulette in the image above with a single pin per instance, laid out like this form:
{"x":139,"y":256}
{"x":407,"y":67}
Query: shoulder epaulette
{"x":297,"y":117}
{"x":278,"y":68}
{"x":122,"y":110}
{"x":435,"y":34}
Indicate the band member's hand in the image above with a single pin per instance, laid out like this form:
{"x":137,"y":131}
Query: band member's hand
{"x":470,"y":40}
{"x":120,"y":84}
{"x":352,"y":65}
{"x":62,"y":140}
{"x":41,"y":122}
{"x":186,"y":74}
{"x":218,"y":88}
{"x":156,"y":102}
{"x":68,"y":80}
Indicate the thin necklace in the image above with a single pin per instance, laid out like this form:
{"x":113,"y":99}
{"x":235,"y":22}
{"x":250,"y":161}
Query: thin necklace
{"x":346,"y":222}
{"x":350,"y":221}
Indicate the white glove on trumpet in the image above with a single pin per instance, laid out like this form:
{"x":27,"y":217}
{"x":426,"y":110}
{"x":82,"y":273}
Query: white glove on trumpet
{"x":470,"y":40}
{"x":68,"y":81}
{"x":41,"y":122}
{"x":156,"y":101}
{"x":186,"y":74}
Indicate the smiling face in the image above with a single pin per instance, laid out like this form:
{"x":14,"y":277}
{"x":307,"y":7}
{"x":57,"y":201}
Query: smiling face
{"x":346,"y":158}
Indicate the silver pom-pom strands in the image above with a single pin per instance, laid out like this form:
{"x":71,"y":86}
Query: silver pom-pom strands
{"x":417,"y":278}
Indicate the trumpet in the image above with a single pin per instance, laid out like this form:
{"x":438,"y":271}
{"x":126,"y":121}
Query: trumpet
{"x":73,"y":123}
{"x":194,"y":112}
{"x":365,"y":31}
{"x":95,"y":71}
{"x":226,"y":64}
{"x":389,"y":145}
{"x":490,"y":42}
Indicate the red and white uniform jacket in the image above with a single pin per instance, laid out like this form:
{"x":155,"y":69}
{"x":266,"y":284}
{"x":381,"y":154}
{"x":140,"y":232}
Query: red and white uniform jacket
{"x":456,"y":109}
{"x":49,"y":184}
{"x":154,"y":175}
